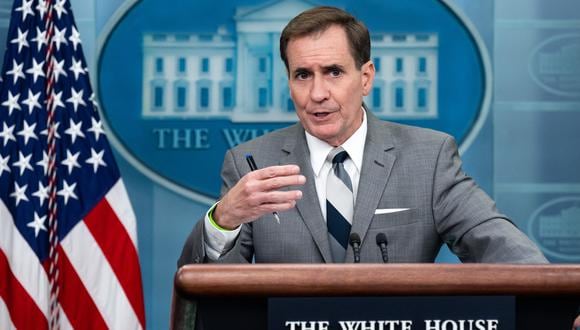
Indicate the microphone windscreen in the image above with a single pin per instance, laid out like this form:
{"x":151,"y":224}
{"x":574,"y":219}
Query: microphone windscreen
{"x":381,"y":238}
{"x":354,"y":239}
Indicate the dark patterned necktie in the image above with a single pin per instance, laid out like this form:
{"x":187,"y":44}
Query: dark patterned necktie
{"x":339,"y":205}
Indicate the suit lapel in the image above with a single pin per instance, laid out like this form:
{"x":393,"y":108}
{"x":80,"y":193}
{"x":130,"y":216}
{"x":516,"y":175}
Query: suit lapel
{"x":376,"y":168}
{"x":308,"y":206}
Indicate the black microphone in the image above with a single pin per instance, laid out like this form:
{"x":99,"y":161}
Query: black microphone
{"x":382,"y":243}
{"x":354,"y":241}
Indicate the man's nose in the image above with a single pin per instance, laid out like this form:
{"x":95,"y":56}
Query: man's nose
{"x":319,"y":90}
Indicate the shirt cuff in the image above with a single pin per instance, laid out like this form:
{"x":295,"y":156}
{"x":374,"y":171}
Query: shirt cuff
{"x":217,"y":240}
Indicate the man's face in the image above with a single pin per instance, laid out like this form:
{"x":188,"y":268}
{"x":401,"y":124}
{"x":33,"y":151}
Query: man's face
{"x":326,"y":86}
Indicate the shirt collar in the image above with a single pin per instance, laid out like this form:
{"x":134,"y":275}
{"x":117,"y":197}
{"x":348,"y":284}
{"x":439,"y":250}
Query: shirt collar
{"x":354,"y":146}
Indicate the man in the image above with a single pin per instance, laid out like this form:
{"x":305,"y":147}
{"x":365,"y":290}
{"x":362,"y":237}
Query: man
{"x":340,"y":170}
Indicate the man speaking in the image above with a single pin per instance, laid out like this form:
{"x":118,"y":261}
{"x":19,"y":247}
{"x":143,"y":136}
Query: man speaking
{"x":342,"y":185}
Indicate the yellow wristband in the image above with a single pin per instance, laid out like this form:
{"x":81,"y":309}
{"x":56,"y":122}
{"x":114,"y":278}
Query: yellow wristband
{"x":211,"y":220}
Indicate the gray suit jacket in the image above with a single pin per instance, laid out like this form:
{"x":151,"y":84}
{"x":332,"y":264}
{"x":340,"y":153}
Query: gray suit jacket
{"x":403,"y":167}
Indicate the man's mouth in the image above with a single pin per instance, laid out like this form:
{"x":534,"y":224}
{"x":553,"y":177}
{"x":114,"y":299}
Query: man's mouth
{"x":321,"y":114}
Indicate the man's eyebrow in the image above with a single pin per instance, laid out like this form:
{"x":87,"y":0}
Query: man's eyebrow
{"x":333,"y":67}
{"x":300,"y":70}
{"x":326,"y":68}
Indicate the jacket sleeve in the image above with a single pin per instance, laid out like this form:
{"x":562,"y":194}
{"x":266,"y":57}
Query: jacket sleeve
{"x":468,"y":221}
{"x":242,"y":249}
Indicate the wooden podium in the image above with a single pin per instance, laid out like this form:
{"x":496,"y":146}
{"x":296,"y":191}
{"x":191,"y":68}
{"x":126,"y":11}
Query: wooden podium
{"x":235,"y":296}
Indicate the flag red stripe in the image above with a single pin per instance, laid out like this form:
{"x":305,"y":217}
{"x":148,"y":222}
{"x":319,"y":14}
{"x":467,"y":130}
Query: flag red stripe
{"x":77,"y":303}
{"x":118,"y":248}
{"x":24,"y":312}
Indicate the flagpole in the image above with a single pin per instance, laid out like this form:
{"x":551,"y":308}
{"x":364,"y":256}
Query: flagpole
{"x":53,"y":273}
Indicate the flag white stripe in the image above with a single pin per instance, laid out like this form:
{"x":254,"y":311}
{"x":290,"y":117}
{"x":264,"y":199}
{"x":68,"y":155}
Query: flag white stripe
{"x":64,"y":322}
{"x":119,"y":201}
{"x":98,"y":277}
{"x":23,"y":261}
{"x":5,"y":321}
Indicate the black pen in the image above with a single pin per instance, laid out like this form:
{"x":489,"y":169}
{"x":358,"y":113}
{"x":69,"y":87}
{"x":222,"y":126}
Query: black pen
{"x":253,"y":167}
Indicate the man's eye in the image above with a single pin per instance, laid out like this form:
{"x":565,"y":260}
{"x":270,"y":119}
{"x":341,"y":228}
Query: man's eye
{"x":302,"y":75}
{"x":335,"y":73}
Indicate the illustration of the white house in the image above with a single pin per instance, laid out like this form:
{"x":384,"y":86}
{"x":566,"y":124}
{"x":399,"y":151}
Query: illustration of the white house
{"x":239,"y":76}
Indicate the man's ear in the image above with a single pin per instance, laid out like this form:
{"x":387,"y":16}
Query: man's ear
{"x":368,"y":76}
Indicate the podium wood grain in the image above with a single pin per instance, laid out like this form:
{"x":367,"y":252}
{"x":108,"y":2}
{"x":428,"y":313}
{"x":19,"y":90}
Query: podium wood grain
{"x":377,"y":279}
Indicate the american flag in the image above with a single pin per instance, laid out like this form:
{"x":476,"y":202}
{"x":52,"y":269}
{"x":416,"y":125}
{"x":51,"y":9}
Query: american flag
{"x":68,"y":243}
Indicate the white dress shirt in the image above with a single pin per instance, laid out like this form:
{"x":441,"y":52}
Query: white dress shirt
{"x":220,"y":241}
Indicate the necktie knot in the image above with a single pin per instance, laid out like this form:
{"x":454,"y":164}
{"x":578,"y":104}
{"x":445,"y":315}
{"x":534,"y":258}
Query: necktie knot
{"x":339,"y":157}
